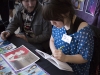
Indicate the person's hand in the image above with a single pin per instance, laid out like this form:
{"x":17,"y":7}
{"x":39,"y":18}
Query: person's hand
{"x":22,"y":36}
{"x":58,"y":54}
{"x":4,"y":35}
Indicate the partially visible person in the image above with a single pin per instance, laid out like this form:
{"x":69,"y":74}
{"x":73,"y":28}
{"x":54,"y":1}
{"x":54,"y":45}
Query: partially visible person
{"x":4,"y":11}
{"x":77,"y":3}
{"x":41,"y":1}
{"x":72,"y":38}
{"x":17,"y":1}
{"x":33,"y":28}
{"x":11,"y":8}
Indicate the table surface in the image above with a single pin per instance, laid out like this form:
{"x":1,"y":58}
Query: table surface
{"x":43,"y":63}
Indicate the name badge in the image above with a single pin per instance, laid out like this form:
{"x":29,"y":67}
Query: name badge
{"x":66,"y":38}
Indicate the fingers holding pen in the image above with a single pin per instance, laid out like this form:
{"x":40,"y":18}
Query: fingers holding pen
{"x":58,"y":54}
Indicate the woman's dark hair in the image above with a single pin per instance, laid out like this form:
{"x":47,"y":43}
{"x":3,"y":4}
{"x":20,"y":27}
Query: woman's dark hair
{"x":20,"y":0}
{"x":53,"y":10}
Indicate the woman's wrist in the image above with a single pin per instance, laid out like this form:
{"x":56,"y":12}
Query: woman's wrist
{"x":66,"y":58}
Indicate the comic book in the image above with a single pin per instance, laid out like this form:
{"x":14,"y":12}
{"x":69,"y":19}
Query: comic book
{"x":4,"y":68}
{"x":4,"y":43}
{"x":34,"y":69}
{"x":7,"y":48}
{"x":21,"y":61}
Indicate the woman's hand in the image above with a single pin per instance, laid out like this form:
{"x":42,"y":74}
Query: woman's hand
{"x":58,"y":54}
{"x":22,"y":36}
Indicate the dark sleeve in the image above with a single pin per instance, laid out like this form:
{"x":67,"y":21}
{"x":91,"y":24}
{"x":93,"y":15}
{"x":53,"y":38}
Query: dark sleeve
{"x":13,"y":26}
{"x":44,"y":36}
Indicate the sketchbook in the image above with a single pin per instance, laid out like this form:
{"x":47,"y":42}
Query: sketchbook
{"x":54,"y":61}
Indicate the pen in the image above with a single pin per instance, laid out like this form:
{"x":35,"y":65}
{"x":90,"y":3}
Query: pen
{"x":61,"y":47}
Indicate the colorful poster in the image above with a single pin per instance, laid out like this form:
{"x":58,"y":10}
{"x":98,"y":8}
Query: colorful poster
{"x":78,"y":4}
{"x":91,"y":7}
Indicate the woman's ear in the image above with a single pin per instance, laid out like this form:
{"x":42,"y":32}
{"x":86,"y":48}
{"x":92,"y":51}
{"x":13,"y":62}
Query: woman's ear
{"x":66,"y":15}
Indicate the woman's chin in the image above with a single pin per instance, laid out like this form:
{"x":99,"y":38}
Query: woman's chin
{"x":30,"y":10}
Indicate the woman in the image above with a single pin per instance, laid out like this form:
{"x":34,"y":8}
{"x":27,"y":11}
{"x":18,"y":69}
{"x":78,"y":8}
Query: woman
{"x":77,"y":3}
{"x":70,"y":34}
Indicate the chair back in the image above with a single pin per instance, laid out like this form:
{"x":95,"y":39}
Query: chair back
{"x":95,"y":62}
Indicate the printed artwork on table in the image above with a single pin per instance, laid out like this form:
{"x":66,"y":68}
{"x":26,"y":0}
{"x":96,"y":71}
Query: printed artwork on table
{"x":91,"y":7}
{"x":4,"y":68}
{"x":7,"y":48}
{"x":20,"y":58}
{"x":4,"y":43}
{"x":78,"y":4}
{"x":33,"y":70}
{"x":10,"y":46}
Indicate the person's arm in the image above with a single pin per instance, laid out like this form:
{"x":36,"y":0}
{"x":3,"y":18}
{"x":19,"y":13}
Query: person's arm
{"x":14,"y":24}
{"x":11,"y":28}
{"x":52,"y":46}
{"x":85,"y":48}
{"x":78,"y":59}
{"x":45,"y":33}
{"x":65,"y":58}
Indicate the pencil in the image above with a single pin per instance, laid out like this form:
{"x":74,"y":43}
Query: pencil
{"x":61,"y":47}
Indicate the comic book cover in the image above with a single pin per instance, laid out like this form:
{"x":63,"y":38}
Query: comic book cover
{"x":4,"y":43}
{"x":20,"y":58}
{"x":7,"y":48}
{"x":34,"y":69}
{"x":4,"y":68}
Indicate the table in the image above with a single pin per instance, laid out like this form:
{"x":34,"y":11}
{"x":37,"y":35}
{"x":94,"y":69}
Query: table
{"x":43,"y":63}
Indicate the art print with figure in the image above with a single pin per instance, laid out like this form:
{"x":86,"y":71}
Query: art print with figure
{"x":78,"y":4}
{"x":20,"y":58}
{"x":7,"y":48}
{"x":91,"y":7}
